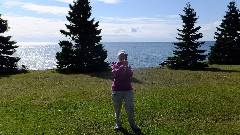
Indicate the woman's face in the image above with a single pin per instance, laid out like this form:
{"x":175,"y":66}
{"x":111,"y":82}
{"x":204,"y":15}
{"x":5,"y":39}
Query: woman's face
{"x":121,"y":57}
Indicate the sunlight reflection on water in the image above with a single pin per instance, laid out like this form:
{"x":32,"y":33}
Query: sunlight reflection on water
{"x":37,"y":56}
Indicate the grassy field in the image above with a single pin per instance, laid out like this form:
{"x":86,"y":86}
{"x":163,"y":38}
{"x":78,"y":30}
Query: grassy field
{"x":166,"y":102}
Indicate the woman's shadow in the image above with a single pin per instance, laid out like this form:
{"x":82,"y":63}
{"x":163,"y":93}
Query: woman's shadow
{"x":125,"y":132}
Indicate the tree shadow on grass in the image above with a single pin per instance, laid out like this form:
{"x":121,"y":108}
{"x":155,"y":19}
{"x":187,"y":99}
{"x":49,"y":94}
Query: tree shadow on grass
{"x":125,"y":132}
{"x":108,"y":76}
{"x":6,"y":74}
{"x":3,"y":76}
{"x":103,"y":75}
{"x":219,"y":70}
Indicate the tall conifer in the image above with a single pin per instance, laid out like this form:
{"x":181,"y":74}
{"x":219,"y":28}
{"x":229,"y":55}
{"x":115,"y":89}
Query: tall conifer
{"x":8,"y":63}
{"x":226,"y":49}
{"x":187,"y":54}
{"x":83,"y":52}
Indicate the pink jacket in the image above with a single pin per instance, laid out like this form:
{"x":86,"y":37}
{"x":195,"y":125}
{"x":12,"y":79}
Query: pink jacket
{"x":122,"y":77}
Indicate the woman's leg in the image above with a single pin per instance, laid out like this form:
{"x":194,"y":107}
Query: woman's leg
{"x":117,"y":98}
{"x":129,"y":106}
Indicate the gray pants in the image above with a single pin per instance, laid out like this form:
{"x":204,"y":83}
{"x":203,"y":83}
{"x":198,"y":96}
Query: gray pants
{"x":127,"y":96}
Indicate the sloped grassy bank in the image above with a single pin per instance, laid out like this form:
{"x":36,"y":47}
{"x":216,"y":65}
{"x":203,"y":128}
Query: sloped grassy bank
{"x":166,"y":102}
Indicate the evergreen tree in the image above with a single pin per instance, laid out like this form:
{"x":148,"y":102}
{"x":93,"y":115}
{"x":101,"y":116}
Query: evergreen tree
{"x":226,"y":49}
{"x":83,"y":52}
{"x":8,"y":64}
{"x":187,"y":54}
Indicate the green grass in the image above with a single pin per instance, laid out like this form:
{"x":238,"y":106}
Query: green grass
{"x":166,"y":102}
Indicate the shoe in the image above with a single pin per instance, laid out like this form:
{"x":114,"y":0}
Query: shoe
{"x":117,"y":127}
{"x":135,"y":127}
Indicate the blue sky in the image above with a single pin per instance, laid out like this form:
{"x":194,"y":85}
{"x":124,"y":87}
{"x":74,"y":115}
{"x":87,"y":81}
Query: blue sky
{"x":120,"y":20}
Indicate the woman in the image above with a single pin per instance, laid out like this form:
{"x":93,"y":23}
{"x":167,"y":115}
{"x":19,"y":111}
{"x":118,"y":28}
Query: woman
{"x":122,"y":90}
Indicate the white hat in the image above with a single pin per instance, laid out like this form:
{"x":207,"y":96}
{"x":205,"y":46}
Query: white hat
{"x":121,"y":52}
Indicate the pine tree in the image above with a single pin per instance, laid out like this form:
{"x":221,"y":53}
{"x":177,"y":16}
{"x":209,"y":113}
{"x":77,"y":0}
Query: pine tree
{"x":8,"y":64}
{"x":187,"y":54}
{"x":83,"y":52}
{"x":226,"y":49}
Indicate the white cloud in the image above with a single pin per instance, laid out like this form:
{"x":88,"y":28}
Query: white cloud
{"x":134,"y":30}
{"x":139,"y":29}
{"x":209,"y":29}
{"x":24,"y":28}
{"x":55,"y":10}
{"x":138,"y":32}
{"x":139,"y":20}
{"x":105,"y":1}
{"x":65,"y":1}
{"x":110,"y":1}
{"x":173,"y":16}
{"x":148,"y":29}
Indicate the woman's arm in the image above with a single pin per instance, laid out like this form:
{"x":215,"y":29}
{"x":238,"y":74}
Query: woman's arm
{"x":116,"y":70}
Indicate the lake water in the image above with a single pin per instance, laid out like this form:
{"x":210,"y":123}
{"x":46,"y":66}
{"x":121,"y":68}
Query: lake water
{"x":41,"y":55}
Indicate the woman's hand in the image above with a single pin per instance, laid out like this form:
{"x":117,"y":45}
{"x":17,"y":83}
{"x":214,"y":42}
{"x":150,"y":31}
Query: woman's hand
{"x":125,"y":63}
{"x":113,"y":63}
